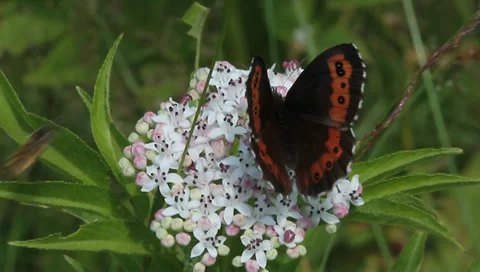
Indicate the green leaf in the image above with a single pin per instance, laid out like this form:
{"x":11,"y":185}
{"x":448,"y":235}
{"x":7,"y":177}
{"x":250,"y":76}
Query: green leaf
{"x":14,"y":116}
{"x":410,"y":258}
{"x":118,"y":139}
{"x":387,"y":212}
{"x":195,"y":17}
{"x":64,"y":195}
{"x":86,"y":98}
{"x":391,"y":164}
{"x":101,"y":120}
{"x":72,"y":156}
{"x":86,"y":166}
{"x":414,"y":202}
{"x":119,"y":236}
{"x":416,"y":184}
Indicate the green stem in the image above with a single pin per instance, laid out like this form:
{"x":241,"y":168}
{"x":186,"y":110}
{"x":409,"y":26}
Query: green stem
{"x":382,"y":244}
{"x":203,"y":97}
{"x":442,"y":132}
{"x":197,"y":52}
{"x":328,"y":250}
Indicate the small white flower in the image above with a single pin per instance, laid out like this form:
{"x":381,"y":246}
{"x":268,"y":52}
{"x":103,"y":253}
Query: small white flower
{"x":288,"y":235}
{"x":262,"y":213}
{"x":318,"y":210}
{"x":207,"y":241}
{"x":179,"y":203}
{"x":347,"y":192}
{"x":203,"y":175}
{"x":286,"y":207}
{"x":243,"y":164}
{"x":227,"y":127}
{"x":179,"y":114}
{"x":255,"y":246}
{"x":235,"y":197}
{"x":159,"y":176}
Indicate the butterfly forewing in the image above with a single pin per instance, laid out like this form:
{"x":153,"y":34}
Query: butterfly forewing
{"x":266,"y":141}
{"x":330,"y":89}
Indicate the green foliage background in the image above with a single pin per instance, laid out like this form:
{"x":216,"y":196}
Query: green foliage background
{"x":49,"y":47}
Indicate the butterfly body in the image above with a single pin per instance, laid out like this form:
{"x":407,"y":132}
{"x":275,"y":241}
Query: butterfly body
{"x":306,"y":137}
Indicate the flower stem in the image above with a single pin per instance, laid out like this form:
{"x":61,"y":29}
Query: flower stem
{"x":203,"y":97}
{"x":328,"y":250}
{"x":197,"y":52}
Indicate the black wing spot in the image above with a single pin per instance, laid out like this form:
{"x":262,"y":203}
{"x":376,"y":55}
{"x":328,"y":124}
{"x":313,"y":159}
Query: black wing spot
{"x":341,"y":99}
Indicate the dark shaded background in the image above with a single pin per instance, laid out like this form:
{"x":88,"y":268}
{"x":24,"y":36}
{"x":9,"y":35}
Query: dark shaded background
{"x":49,"y":47}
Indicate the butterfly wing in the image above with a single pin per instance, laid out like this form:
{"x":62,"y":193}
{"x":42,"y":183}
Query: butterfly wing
{"x":324,"y":154}
{"x":27,"y":154}
{"x":330,"y":89}
{"x":266,"y":140}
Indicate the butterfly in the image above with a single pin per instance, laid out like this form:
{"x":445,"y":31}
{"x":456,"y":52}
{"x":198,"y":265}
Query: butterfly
{"x":306,"y":137}
{"x":27,"y":154}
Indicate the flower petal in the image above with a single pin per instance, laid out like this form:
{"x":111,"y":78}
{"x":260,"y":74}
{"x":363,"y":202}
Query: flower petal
{"x":170,"y":211}
{"x":329,"y":218}
{"x":197,"y":250}
{"x":246,"y":255}
{"x":261,"y":258}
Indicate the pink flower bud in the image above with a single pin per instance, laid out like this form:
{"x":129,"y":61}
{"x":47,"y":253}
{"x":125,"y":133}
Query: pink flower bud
{"x":183,"y":238}
{"x":204,"y":224}
{"x":140,"y":162}
{"x":159,"y":215}
{"x":293,"y":253}
{"x":208,"y":260}
{"x":252,"y":266}
{"x":340,"y":210}
{"x":168,"y":241}
{"x":232,"y":230}
{"x":127,"y":152}
{"x":199,"y":87}
{"x":138,"y":148}
{"x":270,"y":232}
{"x":141,"y":178}
{"x":239,"y":220}
{"x":147,"y":117}
{"x":260,"y":228}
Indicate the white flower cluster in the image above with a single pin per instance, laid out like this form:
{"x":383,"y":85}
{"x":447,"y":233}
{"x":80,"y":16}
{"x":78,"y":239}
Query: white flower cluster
{"x":220,"y":188}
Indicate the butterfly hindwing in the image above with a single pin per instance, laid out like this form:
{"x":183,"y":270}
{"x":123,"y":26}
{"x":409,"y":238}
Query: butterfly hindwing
{"x":330,"y":89}
{"x":323,"y":154}
{"x":266,"y":139}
